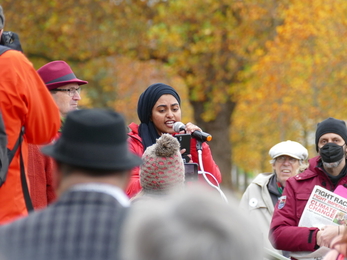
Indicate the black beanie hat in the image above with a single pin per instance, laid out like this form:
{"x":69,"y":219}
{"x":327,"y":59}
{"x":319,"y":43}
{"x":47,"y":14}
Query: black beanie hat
{"x":331,"y":125}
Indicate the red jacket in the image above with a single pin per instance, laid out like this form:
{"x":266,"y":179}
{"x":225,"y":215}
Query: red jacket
{"x":41,"y":177}
{"x":43,"y":182}
{"x":24,"y":101}
{"x":286,"y":235}
{"x":136,"y":146}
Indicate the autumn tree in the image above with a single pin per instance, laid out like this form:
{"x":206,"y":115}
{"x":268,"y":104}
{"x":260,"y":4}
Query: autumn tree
{"x":298,"y":82}
{"x":207,"y":43}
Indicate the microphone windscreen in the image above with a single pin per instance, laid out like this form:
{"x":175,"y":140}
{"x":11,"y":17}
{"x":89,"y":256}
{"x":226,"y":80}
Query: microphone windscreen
{"x":178,"y":127}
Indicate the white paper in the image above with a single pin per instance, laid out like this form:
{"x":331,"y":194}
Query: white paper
{"x":322,"y":208}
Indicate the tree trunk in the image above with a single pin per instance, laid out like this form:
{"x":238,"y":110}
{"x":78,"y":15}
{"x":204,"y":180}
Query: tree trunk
{"x":220,"y":131}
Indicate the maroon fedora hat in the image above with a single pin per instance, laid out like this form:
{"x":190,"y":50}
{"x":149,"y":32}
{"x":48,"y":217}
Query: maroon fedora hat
{"x":58,"y":73}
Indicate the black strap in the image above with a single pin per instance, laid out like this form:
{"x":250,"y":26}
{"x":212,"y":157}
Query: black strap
{"x":27,"y":199}
{"x":11,"y":153}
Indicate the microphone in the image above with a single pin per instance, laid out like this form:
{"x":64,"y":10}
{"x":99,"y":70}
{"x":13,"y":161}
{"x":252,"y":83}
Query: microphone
{"x":198,"y":135}
{"x":178,"y":127}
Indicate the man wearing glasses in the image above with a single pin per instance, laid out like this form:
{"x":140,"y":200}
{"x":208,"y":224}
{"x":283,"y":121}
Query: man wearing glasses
{"x":64,"y":87}
{"x":327,"y":170}
{"x":261,"y":196}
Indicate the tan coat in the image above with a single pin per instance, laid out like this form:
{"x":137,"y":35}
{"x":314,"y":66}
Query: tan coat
{"x":257,"y":202}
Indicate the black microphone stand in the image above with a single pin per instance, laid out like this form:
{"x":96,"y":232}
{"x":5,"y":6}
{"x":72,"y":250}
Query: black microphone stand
{"x":198,"y":145}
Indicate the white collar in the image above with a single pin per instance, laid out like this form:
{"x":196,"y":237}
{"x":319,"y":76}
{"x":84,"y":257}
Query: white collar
{"x":112,"y":190}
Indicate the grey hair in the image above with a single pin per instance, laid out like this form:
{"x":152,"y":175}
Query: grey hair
{"x":303,"y":165}
{"x":272,"y":162}
{"x":195,"y":224}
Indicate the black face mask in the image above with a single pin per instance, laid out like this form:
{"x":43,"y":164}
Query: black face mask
{"x":331,"y":152}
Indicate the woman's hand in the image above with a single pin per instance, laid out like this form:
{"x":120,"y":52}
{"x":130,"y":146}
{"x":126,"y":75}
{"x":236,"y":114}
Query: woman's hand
{"x":190,"y":128}
{"x":188,"y":155}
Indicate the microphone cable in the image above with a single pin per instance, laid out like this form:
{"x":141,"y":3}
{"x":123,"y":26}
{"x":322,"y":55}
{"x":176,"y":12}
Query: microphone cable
{"x":217,"y":187}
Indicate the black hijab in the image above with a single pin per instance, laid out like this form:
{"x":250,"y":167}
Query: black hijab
{"x":147,"y":100}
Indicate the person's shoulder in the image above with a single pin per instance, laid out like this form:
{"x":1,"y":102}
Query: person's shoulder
{"x":19,"y":223}
{"x":133,"y":129}
{"x":311,"y":172}
{"x":313,"y":161}
{"x":133,"y":135}
{"x":15,"y":58}
{"x":262,"y":178}
{"x":13,"y":54}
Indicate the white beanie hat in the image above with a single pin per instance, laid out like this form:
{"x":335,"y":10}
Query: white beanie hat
{"x":290,"y":148}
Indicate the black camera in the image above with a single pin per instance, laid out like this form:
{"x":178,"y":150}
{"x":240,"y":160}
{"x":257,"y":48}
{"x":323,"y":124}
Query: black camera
{"x":6,"y":38}
{"x":11,"y":40}
{"x":184,"y":140}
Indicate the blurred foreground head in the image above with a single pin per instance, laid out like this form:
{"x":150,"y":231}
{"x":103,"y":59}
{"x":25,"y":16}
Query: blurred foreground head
{"x":195,"y":225}
{"x":94,"y":139}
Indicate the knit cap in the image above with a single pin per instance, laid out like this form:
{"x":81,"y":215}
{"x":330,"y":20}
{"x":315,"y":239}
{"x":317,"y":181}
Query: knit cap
{"x":162,"y":167}
{"x":331,"y":125}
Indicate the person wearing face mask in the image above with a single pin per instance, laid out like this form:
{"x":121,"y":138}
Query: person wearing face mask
{"x":327,"y":170}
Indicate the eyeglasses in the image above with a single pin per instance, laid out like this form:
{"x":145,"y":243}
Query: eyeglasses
{"x":70,"y":91}
{"x":282,"y":159}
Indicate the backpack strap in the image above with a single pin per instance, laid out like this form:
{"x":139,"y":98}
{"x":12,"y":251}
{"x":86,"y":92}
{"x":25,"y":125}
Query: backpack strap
{"x":26,"y":194}
{"x":7,"y":155}
{"x":4,"y":49}
{"x":11,"y":153}
{"x":3,"y":152}
{"x":27,"y":199}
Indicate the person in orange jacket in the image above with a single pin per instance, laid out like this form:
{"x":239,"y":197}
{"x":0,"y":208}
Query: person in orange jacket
{"x":25,"y":102}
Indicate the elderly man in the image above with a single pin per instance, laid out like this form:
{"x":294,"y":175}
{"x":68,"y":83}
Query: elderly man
{"x":93,"y":166}
{"x":64,"y":86}
{"x":27,"y":110}
{"x":262,"y":194}
{"x":327,"y":170}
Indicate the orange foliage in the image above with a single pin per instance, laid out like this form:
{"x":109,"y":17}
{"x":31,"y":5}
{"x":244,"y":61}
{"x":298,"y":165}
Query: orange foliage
{"x":282,"y":62}
{"x":297,"y":82}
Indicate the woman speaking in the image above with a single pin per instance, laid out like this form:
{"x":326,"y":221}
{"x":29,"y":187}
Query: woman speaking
{"x":158,"y":109}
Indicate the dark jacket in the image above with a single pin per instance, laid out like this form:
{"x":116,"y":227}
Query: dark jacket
{"x":81,"y":225}
{"x":286,"y":235}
